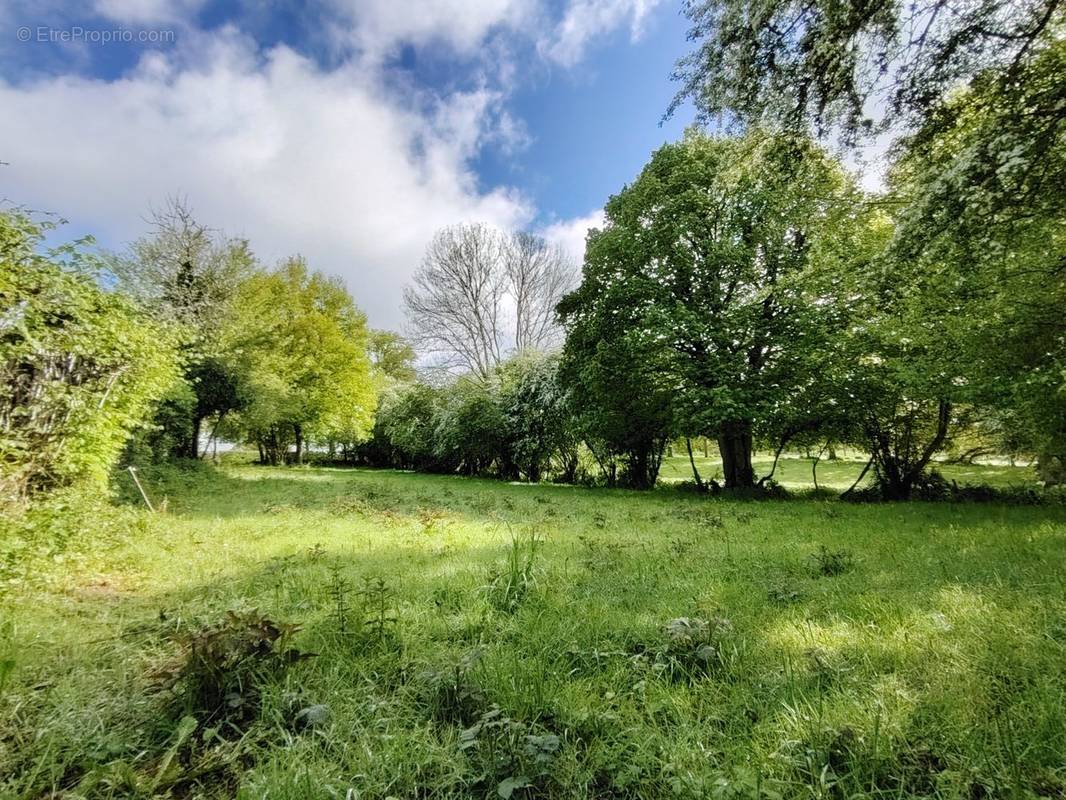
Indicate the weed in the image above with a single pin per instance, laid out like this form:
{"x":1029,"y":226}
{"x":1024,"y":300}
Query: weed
{"x":220,"y":670}
{"x":509,"y":586}
{"x":693,"y":646}
{"x":508,"y":753}
{"x":783,"y":593}
{"x":450,"y":694}
{"x":432,"y":520}
{"x":828,"y":563}
{"x":339,"y":591}
{"x":379,"y":616}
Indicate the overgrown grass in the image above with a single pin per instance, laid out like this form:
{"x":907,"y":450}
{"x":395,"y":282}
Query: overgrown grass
{"x":465,"y":638}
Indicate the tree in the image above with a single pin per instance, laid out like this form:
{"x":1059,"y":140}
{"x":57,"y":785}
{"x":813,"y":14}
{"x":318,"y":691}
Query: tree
{"x":829,"y":63}
{"x":302,"y":345}
{"x":538,"y":275}
{"x":613,"y":371}
{"x":469,"y":428}
{"x":981,"y":218}
{"x":392,"y":355}
{"x":706,"y":263}
{"x":188,"y":275}
{"x":480,"y":295}
{"x":538,"y":417}
{"x":80,"y":368}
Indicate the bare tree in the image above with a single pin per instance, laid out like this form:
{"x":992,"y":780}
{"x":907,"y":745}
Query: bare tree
{"x":472,"y":279}
{"x":454,"y":307}
{"x":538,"y":275}
{"x":183,"y":270}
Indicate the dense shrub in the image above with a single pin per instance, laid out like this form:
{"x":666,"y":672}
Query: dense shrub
{"x":517,"y":424}
{"x":80,"y":367}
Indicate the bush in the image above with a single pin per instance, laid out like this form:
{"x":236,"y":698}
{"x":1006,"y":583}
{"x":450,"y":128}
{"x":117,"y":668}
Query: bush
{"x":80,"y":367}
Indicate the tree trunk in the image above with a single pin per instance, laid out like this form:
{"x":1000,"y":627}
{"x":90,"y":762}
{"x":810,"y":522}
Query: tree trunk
{"x":299,"y":433}
{"x":695,"y":472}
{"x":734,"y":443}
{"x":193,"y":449}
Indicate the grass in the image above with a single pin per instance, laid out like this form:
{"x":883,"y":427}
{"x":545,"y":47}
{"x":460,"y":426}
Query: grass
{"x":794,"y":472}
{"x":480,"y":639}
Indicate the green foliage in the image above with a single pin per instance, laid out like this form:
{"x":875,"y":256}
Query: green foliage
{"x":539,"y":419}
{"x":829,"y":63}
{"x":984,"y":224}
{"x":828,"y":563}
{"x":79,"y":366}
{"x":517,"y":423}
{"x":709,"y":275}
{"x":220,"y":670}
{"x":188,"y":276}
{"x":391,"y":355}
{"x":301,"y":343}
{"x":469,"y":427}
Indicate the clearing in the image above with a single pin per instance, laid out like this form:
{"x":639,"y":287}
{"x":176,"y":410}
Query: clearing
{"x":480,"y":639}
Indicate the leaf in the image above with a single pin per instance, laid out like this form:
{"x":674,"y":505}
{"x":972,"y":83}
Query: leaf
{"x":508,"y":785}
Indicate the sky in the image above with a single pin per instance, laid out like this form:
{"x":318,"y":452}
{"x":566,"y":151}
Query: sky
{"x":346,"y":131}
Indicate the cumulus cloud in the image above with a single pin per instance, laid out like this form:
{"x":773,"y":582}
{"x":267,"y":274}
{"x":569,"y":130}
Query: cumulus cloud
{"x":340,"y":163}
{"x":585,"y":20}
{"x":570,"y":234}
{"x":298,"y":159}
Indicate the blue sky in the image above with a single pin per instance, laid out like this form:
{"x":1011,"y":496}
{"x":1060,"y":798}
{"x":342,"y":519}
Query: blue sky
{"x":344,"y":130}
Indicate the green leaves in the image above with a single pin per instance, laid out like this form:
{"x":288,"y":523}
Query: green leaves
{"x":79,"y":367}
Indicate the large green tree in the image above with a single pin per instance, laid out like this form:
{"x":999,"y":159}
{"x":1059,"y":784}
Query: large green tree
{"x":981,"y":191}
{"x":188,"y":276}
{"x":709,"y":270}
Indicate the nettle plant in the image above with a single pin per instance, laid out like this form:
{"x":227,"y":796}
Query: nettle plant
{"x":220,"y":670}
{"x":693,"y":646}
{"x":508,"y":752}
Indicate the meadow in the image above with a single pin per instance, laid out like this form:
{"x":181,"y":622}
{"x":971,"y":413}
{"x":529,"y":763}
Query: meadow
{"x":468,"y":638}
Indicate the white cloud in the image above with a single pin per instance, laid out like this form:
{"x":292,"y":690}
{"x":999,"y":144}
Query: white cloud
{"x":585,"y":20}
{"x":378,"y":26}
{"x":570,"y":234}
{"x":298,"y":159}
{"x":340,"y":164}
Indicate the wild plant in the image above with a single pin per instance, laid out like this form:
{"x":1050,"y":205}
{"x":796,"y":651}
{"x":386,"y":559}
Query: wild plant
{"x":508,"y":753}
{"x":432,"y":520}
{"x":829,"y":563}
{"x":693,"y":646}
{"x":379,"y":615}
{"x":339,"y":589}
{"x":509,"y":586}
{"x":220,"y":670}
{"x":451,"y":694}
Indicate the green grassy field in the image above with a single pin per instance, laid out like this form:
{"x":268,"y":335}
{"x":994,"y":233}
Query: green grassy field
{"x":479,"y":639}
